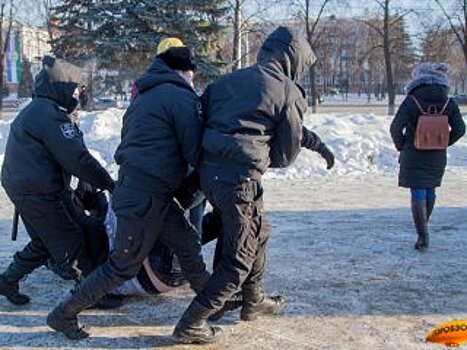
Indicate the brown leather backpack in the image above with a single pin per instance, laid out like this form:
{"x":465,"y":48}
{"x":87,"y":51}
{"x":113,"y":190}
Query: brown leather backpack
{"x":432,"y":131}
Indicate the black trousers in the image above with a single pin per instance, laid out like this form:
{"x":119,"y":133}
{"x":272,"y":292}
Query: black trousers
{"x":245,"y":232}
{"x":56,"y":235}
{"x":143,"y":218}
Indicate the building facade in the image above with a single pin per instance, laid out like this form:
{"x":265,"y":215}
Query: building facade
{"x":24,"y":42}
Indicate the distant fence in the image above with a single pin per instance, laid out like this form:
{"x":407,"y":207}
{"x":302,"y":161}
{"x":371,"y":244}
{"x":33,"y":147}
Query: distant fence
{"x":13,"y":104}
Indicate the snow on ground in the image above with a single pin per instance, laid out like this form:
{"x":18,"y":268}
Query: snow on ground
{"x":340,"y":251}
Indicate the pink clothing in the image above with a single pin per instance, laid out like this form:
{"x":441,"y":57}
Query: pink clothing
{"x":133,"y":92}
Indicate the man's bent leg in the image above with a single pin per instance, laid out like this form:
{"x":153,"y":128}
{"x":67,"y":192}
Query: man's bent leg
{"x":138,"y":226}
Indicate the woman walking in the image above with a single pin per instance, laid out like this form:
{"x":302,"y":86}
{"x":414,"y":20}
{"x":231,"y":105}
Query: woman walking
{"x":422,"y":169}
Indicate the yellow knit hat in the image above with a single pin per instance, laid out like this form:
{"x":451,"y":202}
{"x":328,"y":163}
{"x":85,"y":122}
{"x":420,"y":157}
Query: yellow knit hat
{"x":167,"y":43}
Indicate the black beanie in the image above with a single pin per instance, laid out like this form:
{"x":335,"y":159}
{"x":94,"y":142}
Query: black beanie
{"x":178,"y":58}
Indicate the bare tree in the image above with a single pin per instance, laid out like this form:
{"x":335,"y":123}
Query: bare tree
{"x":389,"y":24}
{"x":237,"y":34}
{"x":440,"y":45}
{"x":47,"y":5}
{"x":313,"y":36}
{"x":4,"y":43}
{"x":458,"y":23}
{"x":251,"y":20}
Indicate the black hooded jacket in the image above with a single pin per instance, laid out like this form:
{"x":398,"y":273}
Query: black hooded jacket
{"x":161,"y":131}
{"x":254,"y":115}
{"x":423,"y":169}
{"x":44,"y":147}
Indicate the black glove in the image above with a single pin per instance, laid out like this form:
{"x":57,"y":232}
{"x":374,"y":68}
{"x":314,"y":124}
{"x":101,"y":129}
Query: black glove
{"x":110,"y":185}
{"x":327,"y":155}
{"x":189,"y":191}
{"x":85,"y":193}
{"x":310,"y":139}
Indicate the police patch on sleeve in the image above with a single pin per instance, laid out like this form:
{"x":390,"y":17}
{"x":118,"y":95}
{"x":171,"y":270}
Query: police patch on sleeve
{"x":68,"y":130}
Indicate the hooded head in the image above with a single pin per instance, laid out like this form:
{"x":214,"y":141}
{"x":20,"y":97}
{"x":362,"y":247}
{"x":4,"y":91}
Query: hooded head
{"x":290,"y":51}
{"x":428,"y":73}
{"x":58,"y":81}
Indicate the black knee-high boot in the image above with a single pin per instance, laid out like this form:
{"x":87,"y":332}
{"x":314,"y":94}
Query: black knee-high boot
{"x":430,"y":204}
{"x":64,"y":317}
{"x":419,"y":213}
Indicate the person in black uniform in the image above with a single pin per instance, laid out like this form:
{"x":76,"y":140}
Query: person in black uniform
{"x":161,"y":135}
{"x":43,"y":150}
{"x":253,"y":121}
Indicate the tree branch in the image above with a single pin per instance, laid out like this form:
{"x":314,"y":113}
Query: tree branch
{"x":451,"y":24}
{"x":371,"y":25}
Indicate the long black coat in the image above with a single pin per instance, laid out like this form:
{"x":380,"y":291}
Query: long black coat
{"x":254,"y":115}
{"x":423,"y":169}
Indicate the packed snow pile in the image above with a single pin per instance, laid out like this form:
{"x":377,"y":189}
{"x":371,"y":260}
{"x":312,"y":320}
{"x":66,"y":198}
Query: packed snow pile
{"x":361,"y":144}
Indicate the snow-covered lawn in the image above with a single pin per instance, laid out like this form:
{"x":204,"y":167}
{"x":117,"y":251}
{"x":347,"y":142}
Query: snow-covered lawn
{"x":340,"y":252}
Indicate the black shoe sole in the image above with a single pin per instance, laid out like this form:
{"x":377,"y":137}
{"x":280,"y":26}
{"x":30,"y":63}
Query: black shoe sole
{"x":56,"y":323}
{"x":194,"y":340}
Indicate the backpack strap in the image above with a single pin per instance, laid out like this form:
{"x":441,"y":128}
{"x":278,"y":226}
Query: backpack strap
{"x":421,"y":108}
{"x":418,"y":104}
{"x":445,"y":106}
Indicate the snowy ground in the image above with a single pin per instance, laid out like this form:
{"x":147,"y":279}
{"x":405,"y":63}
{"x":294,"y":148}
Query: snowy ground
{"x":340,"y":252}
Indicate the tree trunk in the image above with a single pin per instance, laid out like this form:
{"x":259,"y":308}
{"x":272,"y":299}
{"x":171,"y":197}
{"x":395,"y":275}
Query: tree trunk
{"x":4,"y":45}
{"x":237,"y":39}
{"x":464,"y":27}
{"x":90,"y":90}
{"x":387,"y":60}
{"x":313,"y":93}
{"x":2,"y":56}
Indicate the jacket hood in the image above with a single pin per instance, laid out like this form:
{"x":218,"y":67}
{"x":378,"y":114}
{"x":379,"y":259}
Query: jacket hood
{"x":426,"y":79}
{"x":291,"y":52}
{"x":431,"y":93}
{"x":157,"y":74}
{"x":57,"y":81}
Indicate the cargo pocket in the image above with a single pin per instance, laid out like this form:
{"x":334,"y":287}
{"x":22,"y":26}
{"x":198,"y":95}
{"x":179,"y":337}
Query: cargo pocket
{"x":131,"y":204}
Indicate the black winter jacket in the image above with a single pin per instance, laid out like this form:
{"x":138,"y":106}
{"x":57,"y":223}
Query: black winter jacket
{"x":161,"y":131}
{"x":254,"y":115}
{"x":44,"y":147}
{"x":423,"y":169}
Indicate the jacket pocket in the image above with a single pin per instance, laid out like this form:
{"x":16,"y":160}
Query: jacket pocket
{"x":130,"y":203}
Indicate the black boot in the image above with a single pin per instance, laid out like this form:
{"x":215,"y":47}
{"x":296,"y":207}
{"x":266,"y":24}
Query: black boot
{"x":419,"y":213}
{"x":11,"y":291}
{"x":9,"y":285}
{"x":64,"y":318}
{"x":193,"y":328}
{"x":232,"y":304}
{"x":430,"y":204}
{"x":255,"y":303}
